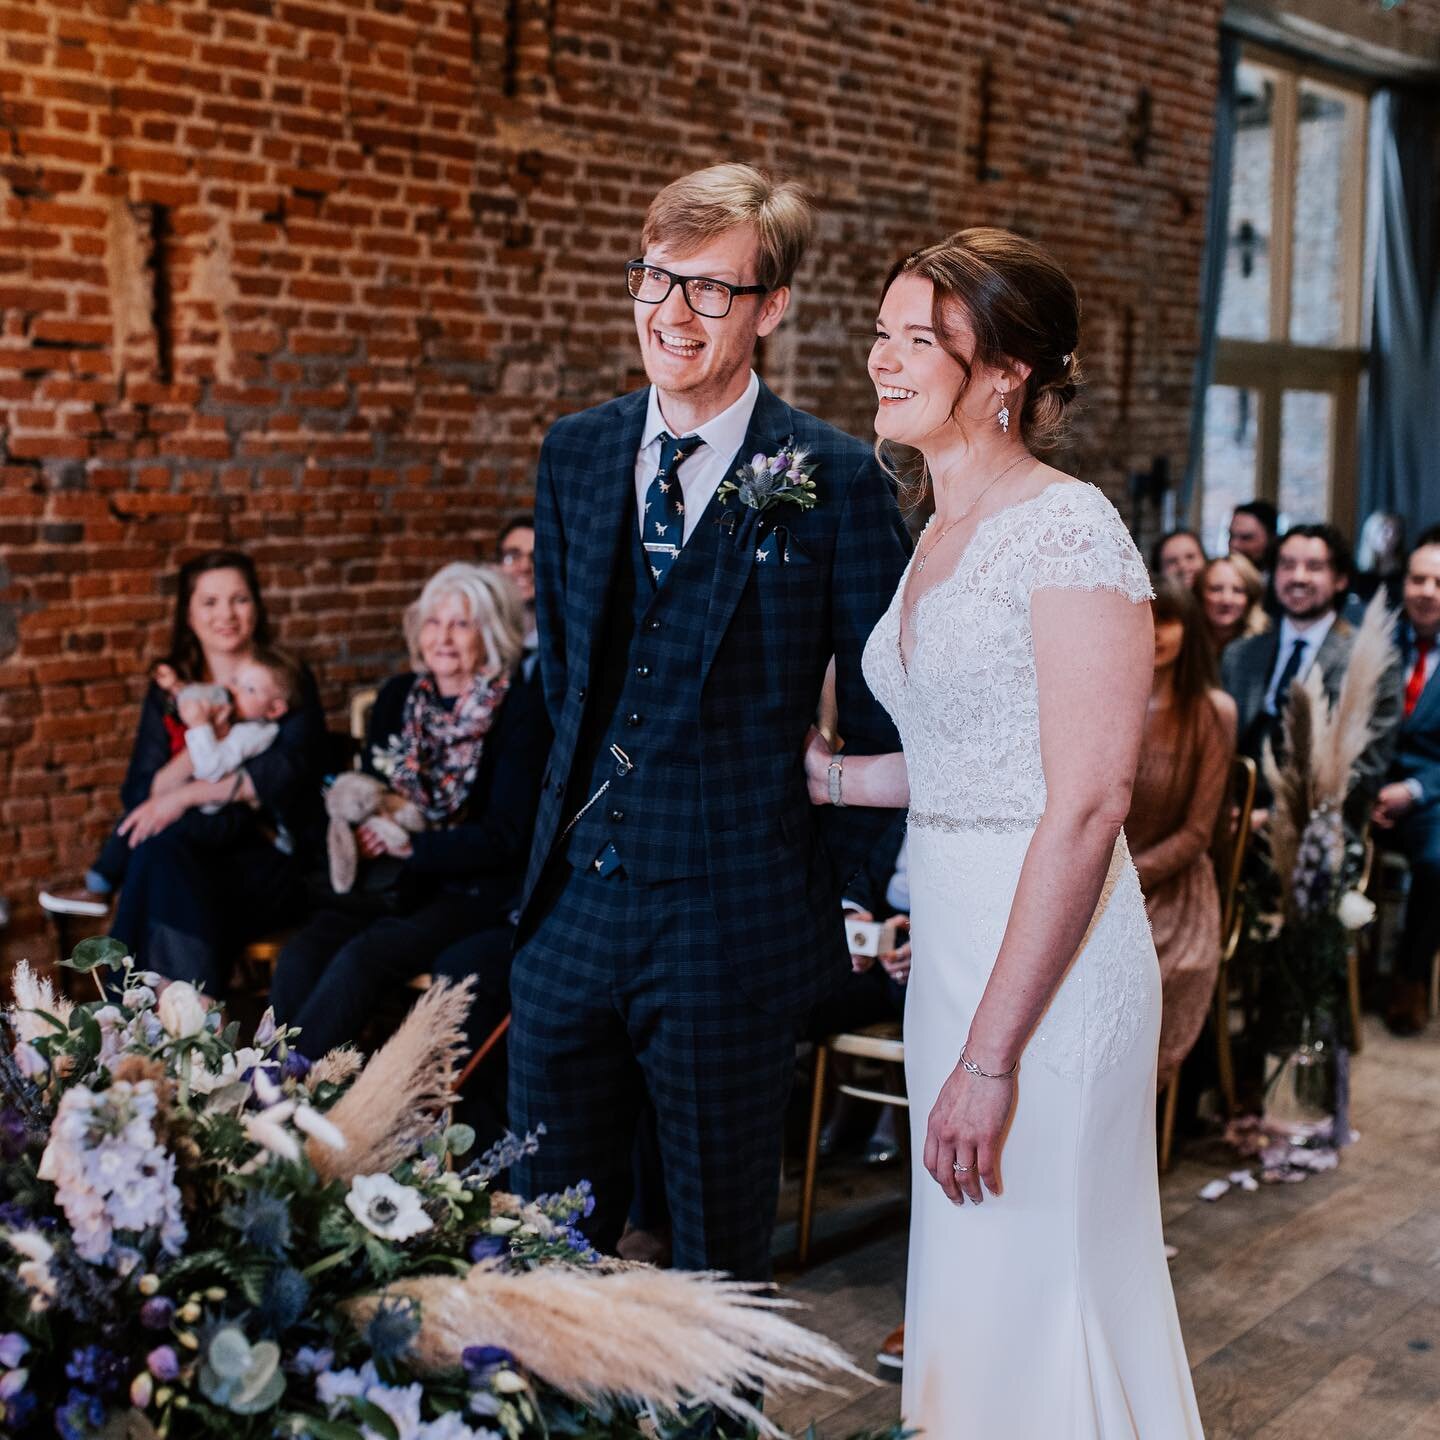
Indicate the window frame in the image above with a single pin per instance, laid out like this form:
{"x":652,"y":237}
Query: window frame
{"x":1278,"y":364}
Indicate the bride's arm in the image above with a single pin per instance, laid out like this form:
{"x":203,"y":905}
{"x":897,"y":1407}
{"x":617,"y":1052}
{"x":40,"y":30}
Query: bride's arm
{"x":869,"y":780}
{"x":1094,"y":654}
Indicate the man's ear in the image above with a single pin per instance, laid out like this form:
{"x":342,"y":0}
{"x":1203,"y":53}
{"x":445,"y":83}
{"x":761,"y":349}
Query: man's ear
{"x":772,"y":310}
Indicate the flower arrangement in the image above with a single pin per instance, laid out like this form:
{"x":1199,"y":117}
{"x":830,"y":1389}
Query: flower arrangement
{"x":768,"y":480}
{"x":210,"y":1238}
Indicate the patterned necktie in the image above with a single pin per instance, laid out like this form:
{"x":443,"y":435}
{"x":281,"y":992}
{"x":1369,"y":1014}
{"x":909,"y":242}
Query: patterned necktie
{"x":1415,"y":686}
{"x":663,"y":525}
{"x":1287,"y":677}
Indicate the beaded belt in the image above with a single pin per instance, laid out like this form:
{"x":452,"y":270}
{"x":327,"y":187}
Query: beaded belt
{"x":956,"y":825}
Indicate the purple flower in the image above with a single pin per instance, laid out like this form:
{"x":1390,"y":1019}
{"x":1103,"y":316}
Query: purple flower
{"x":97,"y":1368}
{"x":480,"y":1360}
{"x":14,"y":1347}
{"x":779,"y":462}
{"x":163,"y":1363}
{"x":80,"y":1415}
{"x":487,"y":1247}
{"x":12,"y":1135}
{"x":157,"y":1312}
{"x":758,"y":461}
{"x":296,"y":1066}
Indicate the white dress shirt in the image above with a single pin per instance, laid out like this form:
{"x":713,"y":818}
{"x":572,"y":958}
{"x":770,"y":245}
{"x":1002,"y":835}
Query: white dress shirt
{"x":702,"y":472}
{"x":1314,"y":638}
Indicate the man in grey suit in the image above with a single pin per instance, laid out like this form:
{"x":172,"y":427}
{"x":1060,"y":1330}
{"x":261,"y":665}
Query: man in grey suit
{"x":1407,"y":810}
{"x":1312,"y":574}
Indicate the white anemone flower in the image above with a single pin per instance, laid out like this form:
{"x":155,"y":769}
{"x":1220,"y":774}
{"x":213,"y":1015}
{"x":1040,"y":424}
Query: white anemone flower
{"x":1356,"y":910}
{"x":386,"y":1208}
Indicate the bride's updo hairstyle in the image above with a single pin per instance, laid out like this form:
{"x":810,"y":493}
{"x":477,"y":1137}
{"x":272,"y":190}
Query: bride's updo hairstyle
{"x":1021,"y":307}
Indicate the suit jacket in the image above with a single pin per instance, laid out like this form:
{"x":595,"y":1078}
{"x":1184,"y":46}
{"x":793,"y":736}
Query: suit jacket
{"x":775,"y":862}
{"x":1417,"y":751}
{"x":1246,"y":670}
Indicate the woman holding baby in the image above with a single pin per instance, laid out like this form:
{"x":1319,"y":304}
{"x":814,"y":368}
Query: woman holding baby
{"x":221,"y":789}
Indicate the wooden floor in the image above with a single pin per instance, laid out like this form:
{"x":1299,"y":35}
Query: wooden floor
{"x":1309,"y":1310}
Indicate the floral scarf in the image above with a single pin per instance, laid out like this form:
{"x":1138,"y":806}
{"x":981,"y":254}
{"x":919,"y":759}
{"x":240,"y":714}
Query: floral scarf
{"x":440,"y":749}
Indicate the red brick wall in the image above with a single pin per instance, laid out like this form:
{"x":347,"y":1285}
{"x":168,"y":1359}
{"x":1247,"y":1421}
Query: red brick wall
{"x":312,"y":278}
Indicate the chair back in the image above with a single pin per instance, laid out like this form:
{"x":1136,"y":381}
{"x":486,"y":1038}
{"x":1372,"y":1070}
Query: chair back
{"x":362,"y":702}
{"x":1231,"y":841}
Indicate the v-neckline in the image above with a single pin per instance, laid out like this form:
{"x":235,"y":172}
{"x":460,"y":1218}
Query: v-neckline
{"x":909,"y":613}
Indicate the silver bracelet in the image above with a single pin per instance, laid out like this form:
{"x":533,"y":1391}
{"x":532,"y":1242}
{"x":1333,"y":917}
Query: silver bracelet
{"x":833,"y":777}
{"x":971,"y":1068}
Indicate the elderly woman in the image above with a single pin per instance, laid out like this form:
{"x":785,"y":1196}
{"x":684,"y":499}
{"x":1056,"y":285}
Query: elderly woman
{"x":464,"y":736}
{"x":209,"y":865}
{"x":1232,"y":594}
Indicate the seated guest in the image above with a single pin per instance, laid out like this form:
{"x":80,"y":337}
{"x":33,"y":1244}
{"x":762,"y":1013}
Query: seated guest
{"x":515,"y":550}
{"x":1380,"y":559}
{"x":1407,"y":810}
{"x":210,"y":864}
{"x":1253,"y":528}
{"x":464,"y":736}
{"x":1178,"y":555}
{"x":1179,"y":787}
{"x":1232,"y":595}
{"x":1312,"y":573}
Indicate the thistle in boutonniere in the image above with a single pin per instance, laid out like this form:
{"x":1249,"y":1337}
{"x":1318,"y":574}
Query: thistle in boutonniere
{"x":770,"y":479}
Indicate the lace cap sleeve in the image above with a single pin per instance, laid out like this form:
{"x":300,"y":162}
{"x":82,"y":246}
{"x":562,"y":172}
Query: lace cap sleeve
{"x":1082,"y":544}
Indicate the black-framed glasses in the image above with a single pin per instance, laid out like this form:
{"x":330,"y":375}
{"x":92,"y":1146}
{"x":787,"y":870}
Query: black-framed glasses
{"x":710,"y":298}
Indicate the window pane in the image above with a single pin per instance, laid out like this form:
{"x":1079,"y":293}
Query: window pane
{"x":1231,"y":422}
{"x":1304,"y":456}
{"x":1245,"y":291}
{"x":1315,"y":298}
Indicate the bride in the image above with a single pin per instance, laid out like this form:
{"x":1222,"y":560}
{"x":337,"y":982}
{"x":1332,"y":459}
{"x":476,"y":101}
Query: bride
{"x":1015,"y":660}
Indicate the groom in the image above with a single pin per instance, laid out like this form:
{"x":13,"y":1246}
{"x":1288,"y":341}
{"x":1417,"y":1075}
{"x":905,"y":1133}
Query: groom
{"x":682,"y":910}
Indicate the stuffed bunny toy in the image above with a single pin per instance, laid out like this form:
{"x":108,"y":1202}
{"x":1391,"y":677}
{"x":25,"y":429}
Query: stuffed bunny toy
{"x":351,"y":801}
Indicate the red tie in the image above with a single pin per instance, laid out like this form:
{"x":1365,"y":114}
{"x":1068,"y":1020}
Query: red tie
{"x":1416,"y":683}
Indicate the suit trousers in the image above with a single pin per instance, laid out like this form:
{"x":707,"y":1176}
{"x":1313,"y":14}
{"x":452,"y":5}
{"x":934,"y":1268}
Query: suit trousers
{"x":1417,"y":837}
{"x":624,"y":991}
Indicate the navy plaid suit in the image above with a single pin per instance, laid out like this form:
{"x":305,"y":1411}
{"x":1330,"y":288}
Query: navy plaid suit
{"x":694,"y":986}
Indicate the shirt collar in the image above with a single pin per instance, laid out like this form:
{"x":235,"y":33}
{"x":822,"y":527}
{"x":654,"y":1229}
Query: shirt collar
{"x":724,"y":434}
{"x":1314,"y":636}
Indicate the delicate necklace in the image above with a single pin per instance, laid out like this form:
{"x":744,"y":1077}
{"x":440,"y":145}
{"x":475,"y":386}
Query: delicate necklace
{"x":940,"y":538}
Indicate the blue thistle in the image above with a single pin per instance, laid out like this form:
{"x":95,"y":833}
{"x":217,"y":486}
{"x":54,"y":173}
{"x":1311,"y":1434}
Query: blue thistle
{"x":392,"y":1330}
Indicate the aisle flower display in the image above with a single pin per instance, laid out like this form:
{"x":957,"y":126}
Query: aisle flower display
{"x":206,"y":1235}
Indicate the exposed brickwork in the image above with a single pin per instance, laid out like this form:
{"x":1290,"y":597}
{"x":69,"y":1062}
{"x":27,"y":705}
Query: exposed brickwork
{"x":312,"y":278}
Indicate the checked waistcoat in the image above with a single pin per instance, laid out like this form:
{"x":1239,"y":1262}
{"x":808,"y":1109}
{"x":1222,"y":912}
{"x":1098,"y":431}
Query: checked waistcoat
{"x":650,"y":819}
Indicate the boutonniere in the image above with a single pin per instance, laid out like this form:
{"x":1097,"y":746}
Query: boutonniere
{"x":774,"y":479}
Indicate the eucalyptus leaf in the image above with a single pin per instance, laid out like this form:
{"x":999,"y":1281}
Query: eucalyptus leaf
{"x":96,"y":951}
{"x":375,"y":1418}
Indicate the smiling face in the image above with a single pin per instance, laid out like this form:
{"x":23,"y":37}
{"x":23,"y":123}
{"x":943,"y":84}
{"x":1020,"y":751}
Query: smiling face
{"x":1422,"y":590}
{"x":450,"y":645}
{"x":1182,"y":559}
{"x":222,"y":613}
{"x":917,"y":382}
{"x":1224,"y":596}
{"x":1249,"y":538}
{"x":1306,"y":581}
{"x":704,"y":363}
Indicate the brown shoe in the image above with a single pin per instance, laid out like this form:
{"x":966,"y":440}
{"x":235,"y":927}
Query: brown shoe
{"x":891,"y":1353}
{"x":644,"y":1247}
{"x":1409,"y":1011}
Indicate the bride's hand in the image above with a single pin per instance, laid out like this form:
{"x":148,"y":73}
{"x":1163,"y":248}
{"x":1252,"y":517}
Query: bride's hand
{"x":818,"y":755}
{"x":967,"y":1126}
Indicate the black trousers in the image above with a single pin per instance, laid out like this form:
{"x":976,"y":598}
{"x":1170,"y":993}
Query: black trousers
{"x":1417,"y":837}
{"x":626,"y":991}
{"x":188,"y":907}
{"x":334,"y":973}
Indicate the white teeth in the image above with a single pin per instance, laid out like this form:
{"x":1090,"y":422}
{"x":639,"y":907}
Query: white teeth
{"x":676,"y":343}
{"x":894,"y":392}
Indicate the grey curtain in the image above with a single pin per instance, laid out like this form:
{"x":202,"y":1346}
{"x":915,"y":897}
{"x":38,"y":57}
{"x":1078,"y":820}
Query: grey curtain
{"x":1217,"y":239}
{"x":1400,"y":446}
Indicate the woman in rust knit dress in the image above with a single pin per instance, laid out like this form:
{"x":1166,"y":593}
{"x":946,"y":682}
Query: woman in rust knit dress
{"x":1179,"y":787}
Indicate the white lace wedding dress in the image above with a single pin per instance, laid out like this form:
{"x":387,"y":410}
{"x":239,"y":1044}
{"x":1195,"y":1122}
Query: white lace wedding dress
{"x":1046,"y":1313}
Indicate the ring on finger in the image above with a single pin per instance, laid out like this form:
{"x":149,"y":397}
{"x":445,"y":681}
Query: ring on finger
{"x":960,"y":1169}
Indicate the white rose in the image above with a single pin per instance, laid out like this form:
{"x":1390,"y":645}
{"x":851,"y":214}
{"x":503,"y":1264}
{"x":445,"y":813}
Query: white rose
{"x":1356,"y":910}
{"x":182,"y":1011}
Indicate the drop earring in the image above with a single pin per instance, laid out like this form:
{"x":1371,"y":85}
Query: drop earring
{"x":1004,"y":416}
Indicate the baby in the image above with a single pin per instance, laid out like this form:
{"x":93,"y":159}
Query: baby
{"x":214,"y":733}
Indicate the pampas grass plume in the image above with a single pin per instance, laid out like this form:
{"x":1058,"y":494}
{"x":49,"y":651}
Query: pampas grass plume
{"x":31,"y":993}
{"x":396,"y":1098}
{"x":664,"y":1338}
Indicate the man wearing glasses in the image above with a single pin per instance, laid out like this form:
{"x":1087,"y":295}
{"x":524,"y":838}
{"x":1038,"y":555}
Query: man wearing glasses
{"x":681,"y":915}
{"x":515,"y":550}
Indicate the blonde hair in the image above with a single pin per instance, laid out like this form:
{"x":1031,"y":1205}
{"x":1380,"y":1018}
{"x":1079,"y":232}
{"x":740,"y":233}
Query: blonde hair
{"x":695,"y":209}
{"x":492,"y":604}
{"x":1256,"y":621}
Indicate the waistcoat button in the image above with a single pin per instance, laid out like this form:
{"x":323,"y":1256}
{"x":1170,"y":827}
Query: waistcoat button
{"x":617,"y":816}
{"x":643,"y":671}
{"x":633,"y":719}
